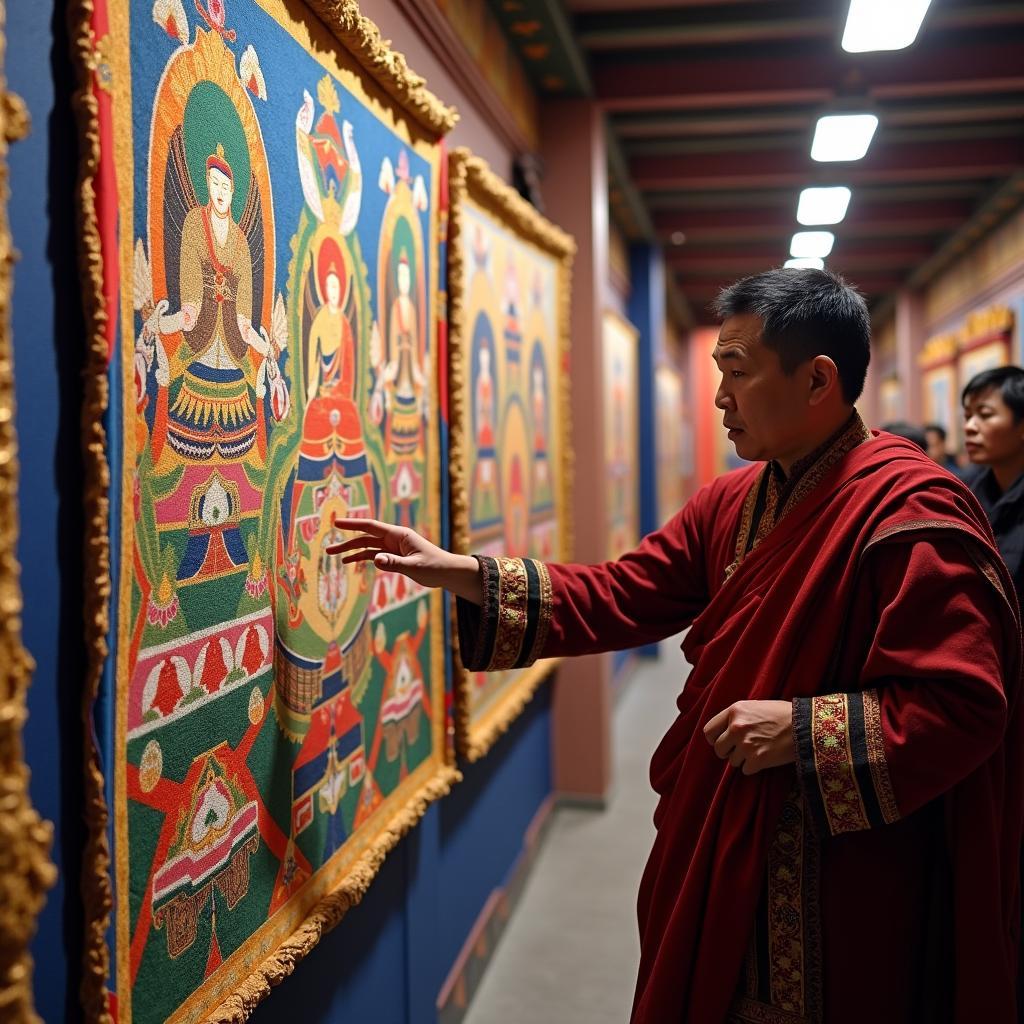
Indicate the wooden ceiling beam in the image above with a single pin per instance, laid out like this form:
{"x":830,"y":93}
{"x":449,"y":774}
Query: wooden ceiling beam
{"x":896,"y":162}
{"x":781,"y":76}
{"x":863,"y":219}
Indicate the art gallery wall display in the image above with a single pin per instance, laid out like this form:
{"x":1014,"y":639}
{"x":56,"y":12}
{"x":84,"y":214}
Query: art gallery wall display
{"x":261,"y":204}
{"x":670,"y":441}
{"x":509,"y":274}
{"x":621,"y":353}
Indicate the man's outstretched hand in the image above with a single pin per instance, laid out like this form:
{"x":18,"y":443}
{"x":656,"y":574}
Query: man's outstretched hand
{"x":754,"y":734}
{"x":399,"y":549}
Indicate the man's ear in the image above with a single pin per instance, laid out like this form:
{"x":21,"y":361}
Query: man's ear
{"x":824,"y":379}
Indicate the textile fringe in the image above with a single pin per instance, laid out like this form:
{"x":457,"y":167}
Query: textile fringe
{"x":470,"y":177}
{"x":97,"y":891}
{"x":387,"y":67}
{"x":331,"y":909}
{"x":25,"y":839}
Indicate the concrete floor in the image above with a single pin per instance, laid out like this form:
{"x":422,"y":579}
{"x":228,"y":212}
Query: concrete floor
{"x":570,"y":952}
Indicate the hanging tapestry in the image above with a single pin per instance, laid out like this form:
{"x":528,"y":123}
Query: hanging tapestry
{"x":621,"y":446}
{"x":508,"y":277}
{"x":261,"y":204}
{"x":670,"y":440}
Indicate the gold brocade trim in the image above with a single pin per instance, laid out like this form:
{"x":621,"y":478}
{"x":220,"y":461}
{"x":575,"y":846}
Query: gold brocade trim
{"x":469,"y":178}
{"x":544,"y":612}
{"x":810,"y":472}
{"x":833,"y":763}
{"x":855,"y":434}
{"x":387,"y":67}
{"x":25,"y":839}
{"x":785,"y":909}
{"x":513,"y":598}
{"x":876,"y":757}
{"x":97,"y":892}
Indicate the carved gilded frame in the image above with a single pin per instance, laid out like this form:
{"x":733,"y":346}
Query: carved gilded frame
{"x":388,"y":71}
{"x":470,"y":181}
{"x":25,"y":839}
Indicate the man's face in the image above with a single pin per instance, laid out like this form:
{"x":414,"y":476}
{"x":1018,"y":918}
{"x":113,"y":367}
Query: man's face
{"x":767,"y":411}
{"x":936,"y":446}
{"x":991,"y":433}
{"x":221,"y":190}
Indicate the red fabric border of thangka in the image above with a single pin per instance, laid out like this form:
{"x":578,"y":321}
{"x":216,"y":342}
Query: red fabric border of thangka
{"x":106,"y":181}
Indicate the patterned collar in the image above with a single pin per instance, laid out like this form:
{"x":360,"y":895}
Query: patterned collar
{"x":773,"y":494}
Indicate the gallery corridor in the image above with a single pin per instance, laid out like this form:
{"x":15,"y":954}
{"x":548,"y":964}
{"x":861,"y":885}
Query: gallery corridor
{"x":570,"y":952}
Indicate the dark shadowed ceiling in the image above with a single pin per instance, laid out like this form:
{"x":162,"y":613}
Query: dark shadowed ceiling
{"x":711,"y":107}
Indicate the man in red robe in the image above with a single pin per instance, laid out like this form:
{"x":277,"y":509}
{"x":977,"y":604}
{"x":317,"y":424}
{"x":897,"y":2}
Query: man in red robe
{"x":842,"y":792}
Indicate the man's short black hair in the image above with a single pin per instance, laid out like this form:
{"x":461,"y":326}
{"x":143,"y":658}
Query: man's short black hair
{"x":936,"y":428}
{"x":1008,"y":380}
{"x":807,"y":313}
{"x":909,"y":432}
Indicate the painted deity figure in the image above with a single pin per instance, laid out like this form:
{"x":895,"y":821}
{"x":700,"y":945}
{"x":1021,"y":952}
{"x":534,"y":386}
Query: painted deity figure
{"x":404,"y":384}
{"x":485,"y":484}
{"x":212,"y":402}
{"x":332,"y":432}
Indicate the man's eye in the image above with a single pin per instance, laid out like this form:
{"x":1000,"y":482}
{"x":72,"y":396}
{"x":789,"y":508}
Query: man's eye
{"x":738,"y":373}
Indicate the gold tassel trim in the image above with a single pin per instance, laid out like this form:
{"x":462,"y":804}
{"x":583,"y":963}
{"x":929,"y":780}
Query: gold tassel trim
{"x":332,"y":908}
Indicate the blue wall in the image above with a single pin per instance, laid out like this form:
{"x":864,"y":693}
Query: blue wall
{"x":389,"y":957}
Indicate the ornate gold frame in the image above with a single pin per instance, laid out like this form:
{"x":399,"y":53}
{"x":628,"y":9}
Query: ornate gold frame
{"x":469,"y":177}
{"x":25,"y":839}
{"x":389,"y":72}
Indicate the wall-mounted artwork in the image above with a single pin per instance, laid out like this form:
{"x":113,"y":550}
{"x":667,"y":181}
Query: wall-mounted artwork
{"x":260,"y":229}
{"x":985,"y":341}
{"x":622,"y":454}
{"x":509,"y":279}
{"x":670,"y":441}
{"x":939,"y":384}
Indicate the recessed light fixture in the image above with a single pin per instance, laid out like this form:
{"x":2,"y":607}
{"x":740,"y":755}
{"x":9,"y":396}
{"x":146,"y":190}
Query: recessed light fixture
{"x":812,"y":243}
{"x":882,"y":24}
{"x":823,"y":205}
{"x":843,"y":136}
{"x":814,"y":262}
{"x":678,"y":237}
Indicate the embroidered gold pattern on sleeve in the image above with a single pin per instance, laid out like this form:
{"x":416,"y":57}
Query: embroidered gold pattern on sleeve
{"x":833,"y":762}
{"x":876,"y":757}
{"x":512,"y":613}
{"x":544,"y":612}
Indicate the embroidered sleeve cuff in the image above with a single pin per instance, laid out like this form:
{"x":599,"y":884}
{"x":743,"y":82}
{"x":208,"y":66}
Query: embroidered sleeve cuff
{"x":510,"y":628}
{"x":841,"y":761}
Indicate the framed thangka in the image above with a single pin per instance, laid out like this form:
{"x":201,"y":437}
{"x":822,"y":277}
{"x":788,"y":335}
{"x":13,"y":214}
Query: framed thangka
{"x":622,"y":452}
{"x":260,"y":213}
{"x":508,"y":278}
{"x":671,"y":441}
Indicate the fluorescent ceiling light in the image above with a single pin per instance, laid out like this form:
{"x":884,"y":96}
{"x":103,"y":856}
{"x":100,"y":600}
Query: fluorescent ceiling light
{"x":882,"y":24}
{"x":812,"y":243}
{"x":823,"y":205}
{"x":806,"y":261}
{"x":843,"y":136}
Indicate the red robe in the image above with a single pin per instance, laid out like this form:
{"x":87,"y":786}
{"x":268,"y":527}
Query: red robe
{"x":878,"y":881}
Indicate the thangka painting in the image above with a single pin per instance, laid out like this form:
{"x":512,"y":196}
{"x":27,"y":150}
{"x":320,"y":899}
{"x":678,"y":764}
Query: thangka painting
{"x":621,"y":445}
{"x":670,"y":441}
{"x":260,"y":205}
{"x":509,"y":277}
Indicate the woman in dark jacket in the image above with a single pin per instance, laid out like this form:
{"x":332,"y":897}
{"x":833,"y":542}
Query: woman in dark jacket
{"x":994,"y":439}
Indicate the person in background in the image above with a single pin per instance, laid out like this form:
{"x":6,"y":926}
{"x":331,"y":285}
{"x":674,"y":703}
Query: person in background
{"x":915,"y":435}
{"x":936,"y":437}
{"x":993,"y":404}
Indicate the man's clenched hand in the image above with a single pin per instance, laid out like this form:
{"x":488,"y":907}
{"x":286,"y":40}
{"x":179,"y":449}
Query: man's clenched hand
{"x":754,"y":734}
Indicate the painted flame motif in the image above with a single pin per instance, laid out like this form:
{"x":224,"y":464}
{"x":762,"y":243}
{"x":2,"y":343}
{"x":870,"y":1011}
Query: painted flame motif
{"x":251,"y":74}
{"x":170,"y":16}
